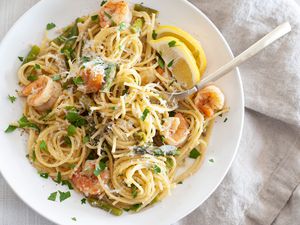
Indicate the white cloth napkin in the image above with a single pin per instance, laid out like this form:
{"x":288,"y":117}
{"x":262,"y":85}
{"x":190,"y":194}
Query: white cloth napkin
{"x":262,"y":187}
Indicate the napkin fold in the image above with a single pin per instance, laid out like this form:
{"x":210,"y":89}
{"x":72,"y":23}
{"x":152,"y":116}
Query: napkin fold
{"x":262,"y":187}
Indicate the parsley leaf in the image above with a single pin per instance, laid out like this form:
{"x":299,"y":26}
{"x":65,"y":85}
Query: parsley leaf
{"x":180,"y":182}
{"x":23,"y":122}
{"x":156,"y":169}
{"x":134,"y":191}
{"x":108,"y":15}
{"x":211,"y":160}
{"x":10,"y":129}
{"x":94,"y":17}
{"x":145,"y":113}
{"x":225,"y":120}
{"x":74,"y":218}
{"x":52,"y":196}
{"x":171,"y":63}
{"x":11,"y":98}
{"x":172,"y":44}
{"x":37,"y":67}
{"x":122,"y":26}
{"x":43,"y":146}
{"x":75,"y":119}
{"x":66,"y":182}
{"x":50,"y":26}
{"x":135,"y":207}
{"x":71,"y":130}
{"x":103,"y":2}
{"x":58,"y":178}
{"x":32,"y":77}
{"x":161,"y":62}
{"x":67,"y":141}
{"x":21,"y":58}
{"x":44,"y":175}
{"x":64,"y":195}
{"x":194,"y":154}
{"x":85,"y":59}
{"x":83,"y":201}
{"x":99,"y":168}
{"x":86,"y":139}
{"x":78,"y":80}
{"x":154,"y":34}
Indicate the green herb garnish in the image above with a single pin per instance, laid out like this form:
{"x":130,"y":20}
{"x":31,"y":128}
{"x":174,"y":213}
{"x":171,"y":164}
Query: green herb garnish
{"x":23,"y":122}
{"x":161,"y":62}
{"x":56,"y":77}
{"x":32,"y":77}
{"x":83,"y":201}
{"x":99,"y":168}
{"x":64,"y":195}
{"x":156,"y":169}
{"x":180,"y":182}
{"x":43,"y":146}
{"x":194,"y":154}
{"x":172,"y":44}
{"x":122,"y":26}
{"x":66,"y":182}
{"x":11,"y":98}
{"x":52,"y":196}
{"x":144,"y":115}
{"x":50,"y":26}
{"x":21,"y":58}
{"x":134,"y":191}
{"x":10,"y":128}
{"x":94,"y":17}
{"x":85,"y":59}
{"x":154,"y":34}
{"x":75,"y":119}
{"x":225,"y":120}
{"x":78,"y":80}
{"x":171,"y":63}
{"x":71,"y":130}
{"x":211,"y":160}
{"x":86,"y":139}
{"x":103,"y":2}
{"x":44,"y":175}
{"x":37,"y":67}
{"x":135,"y":207}
{"x":58,"y":178}
{"x":74,"y":218}
{"x":108,"y":15}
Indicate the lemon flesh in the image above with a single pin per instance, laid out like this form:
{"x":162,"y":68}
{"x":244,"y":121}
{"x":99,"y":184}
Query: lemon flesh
{"x":179,"y":60}
{"x":193,"y":45}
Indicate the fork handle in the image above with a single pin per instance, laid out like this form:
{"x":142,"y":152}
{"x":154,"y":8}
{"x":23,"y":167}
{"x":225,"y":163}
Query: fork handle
{"x":248,"y":53}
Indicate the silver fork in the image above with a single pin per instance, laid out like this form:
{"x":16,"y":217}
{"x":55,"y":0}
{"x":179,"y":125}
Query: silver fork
{"x":277,"y":33}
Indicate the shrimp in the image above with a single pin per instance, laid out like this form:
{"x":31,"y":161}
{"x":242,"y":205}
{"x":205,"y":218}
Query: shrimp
{"x":209,"y":100}
{"x":85,"y":180}
{"x":42,"y":93}
{"x":176,"y":130}
{"x":114,"y":12}
{"x":93,"y":81}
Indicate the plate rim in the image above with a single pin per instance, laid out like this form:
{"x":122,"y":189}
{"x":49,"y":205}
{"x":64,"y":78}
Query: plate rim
{"x":240,"y":131}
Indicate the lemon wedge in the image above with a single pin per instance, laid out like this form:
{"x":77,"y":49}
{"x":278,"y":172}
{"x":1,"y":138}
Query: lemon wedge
{"x":193,"y":45}
{"x":179,"y":60}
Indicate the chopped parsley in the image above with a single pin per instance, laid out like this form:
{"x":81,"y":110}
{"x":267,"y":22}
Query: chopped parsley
{"x":50,"y":26}
{"x":44,"y":175}
{"x":64,"y":195}
{"x":122,"y":26}
{"x":83,"y":201}
{"x":225,"y":120}
{"x":75,"y":119}
{"x":78,"y":80}
{"x":86,"y":139}
{"x":56,"y":77}
{"x":37,"y":67}
{"x":58,"y":178}
{"x":32,"y":77}
{"x":99,"y":168}
{"x":172,"y":113}
{"x":52,"y":196}
{"x":66,"y":182}
{"x":74,"y":218}
{"x":211,"y":160}
{"x":156,"y":169}
{"x":172,"y":44}
{"x":23,"y":122}
{"x":154,"y":34}
{"x":94,"y":17}
{"x":180,"y":182}
{"x":161,"y":62}
{"x":85,"y":59}
{"x":67,"y":141}
{"x":162,"y":139}
{"x":144,"y":115}
{"x":43,"y":146}
{"x":135,"y":207}
{"x":134,"y":191}
{"x":10,"y":128}
{"x":33,"y":156}
{"x":103,"y":2}
{"x":71,"y":130}
{"x":194,"y":154}
{"x":21,"y":58}
{"x":169,"y":163}
{"x":11,"y":98}
{"x":171,"y":63}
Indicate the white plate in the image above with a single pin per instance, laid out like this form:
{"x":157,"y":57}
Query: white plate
{"x":34,"y":190}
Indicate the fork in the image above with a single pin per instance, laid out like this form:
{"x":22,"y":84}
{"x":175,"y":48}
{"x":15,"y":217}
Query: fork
{"x":268,"y":39}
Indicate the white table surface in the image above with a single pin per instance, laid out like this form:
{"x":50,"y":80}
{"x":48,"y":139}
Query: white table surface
{"x":13,"y":210}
